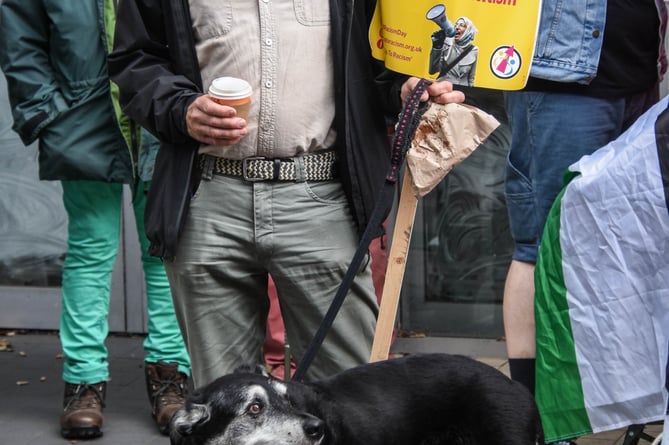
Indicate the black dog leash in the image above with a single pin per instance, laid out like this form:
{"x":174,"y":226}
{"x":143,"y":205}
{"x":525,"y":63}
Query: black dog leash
{"x":408,"y":120}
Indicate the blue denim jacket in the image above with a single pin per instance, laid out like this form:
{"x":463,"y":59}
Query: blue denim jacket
{"x":570,"y":39}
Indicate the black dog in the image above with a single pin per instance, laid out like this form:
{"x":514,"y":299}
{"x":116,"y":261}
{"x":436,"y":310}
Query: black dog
{"x":433,"y":399}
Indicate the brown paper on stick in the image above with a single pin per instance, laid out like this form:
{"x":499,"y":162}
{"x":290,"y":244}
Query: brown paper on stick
{"x":445,"y":136}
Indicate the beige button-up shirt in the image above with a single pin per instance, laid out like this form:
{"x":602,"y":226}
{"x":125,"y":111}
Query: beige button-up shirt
{"x":282,"y":48}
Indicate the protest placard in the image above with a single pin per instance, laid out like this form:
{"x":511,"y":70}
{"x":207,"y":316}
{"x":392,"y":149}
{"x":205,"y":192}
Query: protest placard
{"x":482,"y":43}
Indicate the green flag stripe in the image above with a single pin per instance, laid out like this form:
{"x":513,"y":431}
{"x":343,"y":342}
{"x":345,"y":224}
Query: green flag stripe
{"x":559,"y":393}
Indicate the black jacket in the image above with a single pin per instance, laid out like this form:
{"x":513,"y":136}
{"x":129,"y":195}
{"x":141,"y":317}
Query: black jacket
{"x":155,"y":65}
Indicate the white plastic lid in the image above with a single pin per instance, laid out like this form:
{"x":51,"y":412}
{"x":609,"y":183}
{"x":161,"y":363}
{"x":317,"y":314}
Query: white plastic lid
{"x":230,"y":88}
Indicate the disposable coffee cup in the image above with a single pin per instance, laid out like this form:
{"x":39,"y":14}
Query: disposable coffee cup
{"x":232,"y":92}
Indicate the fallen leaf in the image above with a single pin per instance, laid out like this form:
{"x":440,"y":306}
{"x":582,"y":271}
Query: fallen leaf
{"x":5,"y":346}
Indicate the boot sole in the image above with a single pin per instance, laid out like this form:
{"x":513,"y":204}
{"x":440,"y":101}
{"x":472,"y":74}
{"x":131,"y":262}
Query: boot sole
{"x":82,"y":433}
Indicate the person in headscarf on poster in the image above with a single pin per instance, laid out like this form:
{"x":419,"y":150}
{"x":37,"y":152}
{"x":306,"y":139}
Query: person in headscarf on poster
{"x":454,"y":56}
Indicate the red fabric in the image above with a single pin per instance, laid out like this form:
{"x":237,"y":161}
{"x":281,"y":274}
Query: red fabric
{"x":274,"y":340}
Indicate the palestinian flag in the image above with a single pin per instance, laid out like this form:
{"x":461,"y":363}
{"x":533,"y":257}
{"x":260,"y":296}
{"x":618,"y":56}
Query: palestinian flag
{"x":602,"y":287}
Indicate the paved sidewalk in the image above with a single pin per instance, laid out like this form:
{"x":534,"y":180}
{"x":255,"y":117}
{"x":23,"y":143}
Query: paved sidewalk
{"x":31,"y":393}
{"x":31,"y":389}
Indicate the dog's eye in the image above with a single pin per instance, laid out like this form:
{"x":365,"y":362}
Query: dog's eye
{"x":255,"y":408}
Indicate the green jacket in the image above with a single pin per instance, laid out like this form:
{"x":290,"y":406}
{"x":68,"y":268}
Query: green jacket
{"x":53,"y":54}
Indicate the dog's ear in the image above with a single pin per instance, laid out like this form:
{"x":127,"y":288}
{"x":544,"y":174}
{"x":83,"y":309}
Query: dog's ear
{"x":186,"y":420}
{"x":257,"y":369}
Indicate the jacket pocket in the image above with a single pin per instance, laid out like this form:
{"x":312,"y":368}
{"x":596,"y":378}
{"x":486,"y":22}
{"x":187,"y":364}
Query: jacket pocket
{"x":85,"y":143}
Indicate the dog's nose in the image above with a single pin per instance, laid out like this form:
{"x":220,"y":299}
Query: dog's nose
{"x":313,"y":427}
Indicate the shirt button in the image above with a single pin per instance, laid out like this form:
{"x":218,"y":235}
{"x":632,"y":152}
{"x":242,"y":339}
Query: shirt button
{"x":595,"y":33}
{"x":268,"y":84}
{"x":268,"y":42}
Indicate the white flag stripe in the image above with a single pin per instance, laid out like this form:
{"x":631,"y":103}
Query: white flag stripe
{"x":616,"y":270}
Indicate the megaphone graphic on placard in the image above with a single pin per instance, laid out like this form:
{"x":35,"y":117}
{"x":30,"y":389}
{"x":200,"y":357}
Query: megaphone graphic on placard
{"x":437,"y":14}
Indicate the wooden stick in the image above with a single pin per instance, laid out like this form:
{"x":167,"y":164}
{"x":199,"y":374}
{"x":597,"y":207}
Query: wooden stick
{"x":399,"y":249}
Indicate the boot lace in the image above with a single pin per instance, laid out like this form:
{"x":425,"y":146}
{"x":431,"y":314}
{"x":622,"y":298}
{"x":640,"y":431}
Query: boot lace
{"x":85,"y":396}
{"x":168,"y":391}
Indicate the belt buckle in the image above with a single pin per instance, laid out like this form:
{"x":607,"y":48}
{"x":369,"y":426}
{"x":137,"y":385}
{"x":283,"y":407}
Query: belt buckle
{"x":245,"y":168}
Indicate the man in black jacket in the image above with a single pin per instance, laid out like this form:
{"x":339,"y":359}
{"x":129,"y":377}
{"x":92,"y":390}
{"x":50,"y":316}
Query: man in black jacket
{"x":316,"y":129}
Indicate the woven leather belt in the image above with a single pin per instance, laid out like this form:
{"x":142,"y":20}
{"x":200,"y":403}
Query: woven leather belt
{"x":311,"y":167}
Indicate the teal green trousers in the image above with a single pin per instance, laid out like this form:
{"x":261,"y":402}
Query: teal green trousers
{"x":94,"y":223}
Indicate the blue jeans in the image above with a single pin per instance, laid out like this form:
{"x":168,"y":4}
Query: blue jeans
{"x":94,"y":221}
{"x":304,"y":236}
{"x":549,"y":132}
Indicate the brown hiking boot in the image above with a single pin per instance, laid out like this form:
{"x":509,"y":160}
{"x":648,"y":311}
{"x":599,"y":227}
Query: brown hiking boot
{"x":167,"y":389}
{"x":82,"y":410}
